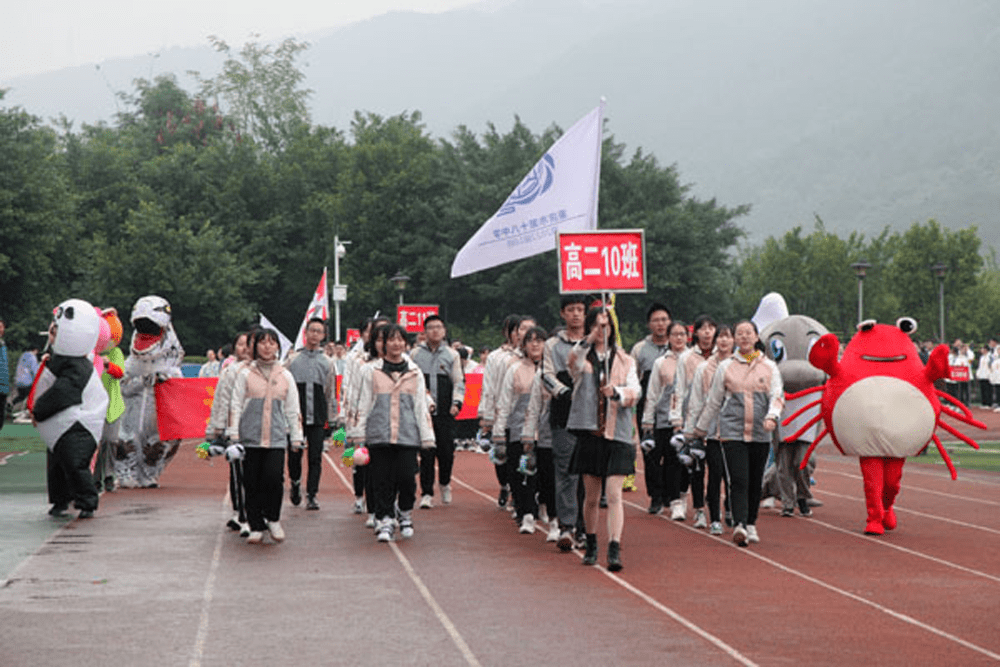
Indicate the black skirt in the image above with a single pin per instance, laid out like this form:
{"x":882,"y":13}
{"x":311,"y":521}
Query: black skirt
{"x":600,"y":457}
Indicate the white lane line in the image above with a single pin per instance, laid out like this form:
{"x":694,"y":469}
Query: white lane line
{"x":926,"y":470}
{"x":857,"y":598}
{"x":707,"y":636}
{"x":911,"y":552}
{"x":908,"y":487}
{"x":206,"y":600}
{"x":899,"y":508}
{"x":425,"y":593}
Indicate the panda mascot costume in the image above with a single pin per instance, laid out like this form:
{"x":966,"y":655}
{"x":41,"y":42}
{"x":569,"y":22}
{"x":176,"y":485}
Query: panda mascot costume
{"x":69,"y":404}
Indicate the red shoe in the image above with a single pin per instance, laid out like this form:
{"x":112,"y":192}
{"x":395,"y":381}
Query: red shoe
{"x":889,"y":518}
{"x":874,"y":528}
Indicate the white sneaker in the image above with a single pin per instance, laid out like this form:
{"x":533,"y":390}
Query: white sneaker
{"x":740,"y":535}
{"x":426,"y":502}
{"x":768,"y":503}
{"x":255,"y":537}
{"x":244,"y":529}
{"x":715,"y":528}
{"x":406,"y":524}
{"x":359,"y":506}
{"x":553,"y":535}
{"x":385,"y":530}
{"x":370,"y":523}
{"x":446,"y":494}
{"x":527,"y":525}
{"x":277,"y":532}
{"x":678,"y":510}
{"x":700,"y":521}
{"x":752,"y":535}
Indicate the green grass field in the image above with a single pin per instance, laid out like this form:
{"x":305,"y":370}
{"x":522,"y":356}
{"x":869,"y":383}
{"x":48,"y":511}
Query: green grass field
{"x":987,"y":457}
{"x":20,"y":438}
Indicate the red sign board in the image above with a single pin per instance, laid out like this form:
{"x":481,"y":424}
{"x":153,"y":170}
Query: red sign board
{"x":958,"y":373}
{"x":352,"y":336}
{"x":612,"y":260}
{"x":412,"y":316}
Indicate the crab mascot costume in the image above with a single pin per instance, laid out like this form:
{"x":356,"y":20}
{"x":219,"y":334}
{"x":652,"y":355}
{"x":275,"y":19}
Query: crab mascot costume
{"x":787,"y":340}
{"x":155,"y":356}
{"x":68,"y":403}
{"x":880,"y":404}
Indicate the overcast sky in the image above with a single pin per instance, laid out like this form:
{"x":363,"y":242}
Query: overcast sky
{"x":47,"y":35}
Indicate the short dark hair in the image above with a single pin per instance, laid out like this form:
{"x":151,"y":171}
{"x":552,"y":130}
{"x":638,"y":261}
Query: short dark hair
{"x":316,"y":319}
{"x":434,"y":318}
{"x":656,"y":307}
{"x":535,"y":332}
{"x":570,"y":299}
{"x":702,"y":320}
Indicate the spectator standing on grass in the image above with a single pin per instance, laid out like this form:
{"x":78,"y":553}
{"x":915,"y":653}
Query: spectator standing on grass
{"x":24,"y":375}
{"x":4,"y":373}
{"x":983,"y":378}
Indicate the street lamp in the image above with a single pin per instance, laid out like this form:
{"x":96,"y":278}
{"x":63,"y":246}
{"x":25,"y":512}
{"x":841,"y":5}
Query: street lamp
{"x":939,"y":270}
{"x":339,"y":291}
{"x":861,"y":268}
{"x":399,"y":282}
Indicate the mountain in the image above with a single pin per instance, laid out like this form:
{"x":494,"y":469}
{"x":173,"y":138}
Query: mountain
{"x":866,"y":114}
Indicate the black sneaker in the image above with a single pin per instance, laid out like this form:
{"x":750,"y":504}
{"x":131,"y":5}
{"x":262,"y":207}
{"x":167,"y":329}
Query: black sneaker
{"x":656,"y":506}
{"x":614,"y":556}
{"x":503,"y":497}
{"x":86,"y":514}
{"x":311,"y":504}
{"x":804,"y":508}
{"x":296,"y":494}
{"x":58,"y":510}
{"x":590,"y":557}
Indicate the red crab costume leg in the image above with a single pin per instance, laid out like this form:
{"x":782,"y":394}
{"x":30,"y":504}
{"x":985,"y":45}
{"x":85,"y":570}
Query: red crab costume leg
{"x":891,"y":482}
{"x":805,"y":459}
{"x":804,"y":392}
{"x":873,"y":473}
{"x":944,"y":455}
{"x":804,"y":408}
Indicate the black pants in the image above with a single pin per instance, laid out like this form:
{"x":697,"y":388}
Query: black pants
{"x":263,"y":484}
{"x":672,"y":469}
{"x":444,"y":454}
{"x":393,"y":470}
{"x":546,"y":481}
{"x":314,"y":448}
{"x":653,"y":460}
{"x":523,"y":487}
{"x":68,"y":470}
{"x":716,"y":475}
{"x":745,"y":463}
{"x":985,"y":394}
{"x":236,"y":493}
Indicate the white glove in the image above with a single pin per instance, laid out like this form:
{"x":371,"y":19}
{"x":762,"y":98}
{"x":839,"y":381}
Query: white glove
{"x":647,"y":443}
{"x":235,"y":452}
{"x":677,"y":442}
{"x":216,"y":450}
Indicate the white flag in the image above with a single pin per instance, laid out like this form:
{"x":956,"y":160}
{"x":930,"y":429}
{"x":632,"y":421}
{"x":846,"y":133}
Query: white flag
{"x":317,"y":308}
{"x":560,"y":193}
{"x":286,"y":345}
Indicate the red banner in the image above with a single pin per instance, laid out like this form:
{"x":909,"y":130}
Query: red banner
{"x":183,"y":406}
{"x":352,"y":335}
{"x":412,"y":316}
{"x":602,"y":261}
{"x":473,"y":390}
{"x":958,"y":373}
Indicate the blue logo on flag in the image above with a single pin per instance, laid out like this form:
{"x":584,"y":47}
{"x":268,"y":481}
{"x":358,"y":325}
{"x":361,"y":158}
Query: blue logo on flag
{"x":534,"y":185}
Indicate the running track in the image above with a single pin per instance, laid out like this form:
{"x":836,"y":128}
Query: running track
{"x":156,"y":579}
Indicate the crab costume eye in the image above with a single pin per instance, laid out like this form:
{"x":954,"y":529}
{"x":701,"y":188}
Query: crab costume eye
{"x":907,"y":325}
{"x":777,"y":350}
{"x":867,"y":325}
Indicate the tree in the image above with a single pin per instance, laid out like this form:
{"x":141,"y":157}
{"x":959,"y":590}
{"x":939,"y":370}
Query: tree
{"x":260,"y":89}
{"x":38,"y":256}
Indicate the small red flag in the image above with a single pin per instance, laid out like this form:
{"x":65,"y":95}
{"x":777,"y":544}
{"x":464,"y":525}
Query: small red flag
{"x":183,"y":407}
{"x":473,"y":390}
